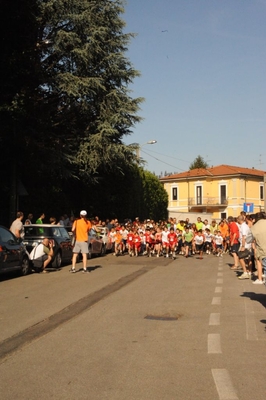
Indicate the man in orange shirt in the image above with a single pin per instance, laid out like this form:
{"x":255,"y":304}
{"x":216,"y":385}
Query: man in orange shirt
{"x":81,"y":228}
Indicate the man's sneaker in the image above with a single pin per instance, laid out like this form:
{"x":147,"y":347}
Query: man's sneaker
{"x":166,"y":256}
{"x":258,"y":282}
{"x":73,"y":270}
{"x":84,"y":270}
{"x":245,"y":275}
{"x":158,"y":255}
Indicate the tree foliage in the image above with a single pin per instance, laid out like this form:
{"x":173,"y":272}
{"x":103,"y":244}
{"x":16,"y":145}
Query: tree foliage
{"x":198,"y":163}
{"x":65,"y":103}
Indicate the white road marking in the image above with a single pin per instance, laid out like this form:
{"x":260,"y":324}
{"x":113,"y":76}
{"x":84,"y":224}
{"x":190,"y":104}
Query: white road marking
{"x":216,"y":300}
{"x":220,"y":274}
{"x":224,"y":384}
{"x":251,"y":329}
{"x":214,"y":343}
{"x":220,"y":280}
{"x":218,"y":289}
{"x":214,"y":319}
{"x":220,"y":268}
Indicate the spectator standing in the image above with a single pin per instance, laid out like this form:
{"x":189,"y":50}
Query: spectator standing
{"x":259,"y":233}
{"x":234,"y":242}
{"x":81,"y":228}
{"x":30,"y":218}
{"x":244,"y":233}
{"x":40,"y":219}
{"x":17,"y":226}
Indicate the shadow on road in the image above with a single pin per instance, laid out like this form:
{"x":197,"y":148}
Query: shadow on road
{"x":260,"y":297}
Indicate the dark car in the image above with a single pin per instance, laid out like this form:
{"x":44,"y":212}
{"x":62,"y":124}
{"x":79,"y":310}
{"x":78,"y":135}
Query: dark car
{"x":13,"y":254}
{"x":34,"y":234}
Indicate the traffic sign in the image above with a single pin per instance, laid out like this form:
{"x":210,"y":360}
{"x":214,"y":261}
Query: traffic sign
{"x":248,"y":207}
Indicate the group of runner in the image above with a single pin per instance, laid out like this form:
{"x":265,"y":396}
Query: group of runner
{"x":169,"y":238}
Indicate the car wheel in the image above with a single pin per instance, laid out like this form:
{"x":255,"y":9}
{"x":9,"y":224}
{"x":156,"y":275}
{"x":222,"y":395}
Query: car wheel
{"x":57,"y":260}
{"x":103,"y":250}
{"x":89,"y":253}
{"x":25,"y":266}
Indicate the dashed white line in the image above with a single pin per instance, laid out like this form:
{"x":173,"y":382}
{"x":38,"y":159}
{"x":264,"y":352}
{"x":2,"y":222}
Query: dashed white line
{"x":220,"y":280}
{"x":224,"y":384}
{"x":220,"y":274}
{"x":214,"y":319}
{"x":218,"y":289}
{"x":214,"y":343}
{"x":216,"y":300}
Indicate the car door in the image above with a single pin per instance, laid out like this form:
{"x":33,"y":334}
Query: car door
{"x":65,"y":243}
{"x":9,"y":250}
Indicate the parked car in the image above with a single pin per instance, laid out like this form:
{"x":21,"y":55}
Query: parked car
{"x":95,"y":244}
{"x":13,"y":253}
{"x":34,"y":234}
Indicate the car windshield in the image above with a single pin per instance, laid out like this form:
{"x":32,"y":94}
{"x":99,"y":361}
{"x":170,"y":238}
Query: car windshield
{"x":41,"y":231}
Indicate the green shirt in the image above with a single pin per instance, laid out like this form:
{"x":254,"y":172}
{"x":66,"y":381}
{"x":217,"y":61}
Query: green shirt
{"x":188,"y":236}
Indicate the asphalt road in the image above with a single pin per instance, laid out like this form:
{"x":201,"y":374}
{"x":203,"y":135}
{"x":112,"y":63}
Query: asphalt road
{"x":134,"y":329}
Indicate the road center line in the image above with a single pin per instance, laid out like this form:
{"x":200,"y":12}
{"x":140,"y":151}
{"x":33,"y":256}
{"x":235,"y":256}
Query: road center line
{"x":216,"y":301}
{"x":220,"y":274}
{"x":214,"y":343}
{"x":220,"y":280}
{"x":224,"y":384}
{"x":218,"y":289}
{"x":214,"y":319}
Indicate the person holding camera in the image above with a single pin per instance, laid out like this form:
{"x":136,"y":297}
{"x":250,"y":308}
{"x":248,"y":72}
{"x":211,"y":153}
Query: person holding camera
{"x":42,"y":254}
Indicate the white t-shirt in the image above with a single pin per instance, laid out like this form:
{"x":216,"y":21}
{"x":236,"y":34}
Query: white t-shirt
{"x":165,"y":236}
{"x":245,"y":231}
{"x":218,"y":239}
{"x":199,"y":239}
{"x":208,"y":237}
{"x":38,"y":251}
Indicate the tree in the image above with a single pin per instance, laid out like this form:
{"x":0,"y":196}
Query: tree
{"x":198,"y":163}
{"x":155,"y":197}
{"x":65,"y":105}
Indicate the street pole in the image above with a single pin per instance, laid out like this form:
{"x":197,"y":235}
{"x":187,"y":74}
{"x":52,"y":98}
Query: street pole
{"x":264,"y":192}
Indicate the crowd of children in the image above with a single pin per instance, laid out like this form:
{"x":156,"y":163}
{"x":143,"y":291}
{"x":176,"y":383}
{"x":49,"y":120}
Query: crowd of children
{"x":169,"y":238}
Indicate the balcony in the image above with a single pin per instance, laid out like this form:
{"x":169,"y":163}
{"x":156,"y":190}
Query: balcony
{"x":207,"y":202}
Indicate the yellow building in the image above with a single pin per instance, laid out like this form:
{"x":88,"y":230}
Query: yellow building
{"x":218,"y":191}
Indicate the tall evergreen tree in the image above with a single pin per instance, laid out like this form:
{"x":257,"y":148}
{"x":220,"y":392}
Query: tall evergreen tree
{"x":85,"y":86}
{"x":65,"y":103}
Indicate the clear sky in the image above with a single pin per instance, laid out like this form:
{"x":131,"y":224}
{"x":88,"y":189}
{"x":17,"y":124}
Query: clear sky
{"x":203,"y":77}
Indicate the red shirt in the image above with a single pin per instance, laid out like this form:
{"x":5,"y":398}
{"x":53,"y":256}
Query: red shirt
{"x":130,"y":237}
{"x":137,"y":240}
{"x":172,"y":238}
{"x":234,"y":230}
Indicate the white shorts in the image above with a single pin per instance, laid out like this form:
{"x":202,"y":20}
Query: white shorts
{"x":81,"y":247}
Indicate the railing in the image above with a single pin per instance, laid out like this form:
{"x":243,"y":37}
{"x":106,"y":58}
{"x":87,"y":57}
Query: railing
{"x":207,"y":201}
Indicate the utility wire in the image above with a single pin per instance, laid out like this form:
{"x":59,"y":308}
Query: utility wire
{"x":157,"y":159}
{"x":174,"y":158}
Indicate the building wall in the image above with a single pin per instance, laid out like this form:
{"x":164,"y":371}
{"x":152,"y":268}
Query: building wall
{"x":239,"y":190}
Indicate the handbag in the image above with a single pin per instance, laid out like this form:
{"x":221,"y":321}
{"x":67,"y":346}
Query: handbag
{"x":73,"y":238}
{"x":243,"y":254}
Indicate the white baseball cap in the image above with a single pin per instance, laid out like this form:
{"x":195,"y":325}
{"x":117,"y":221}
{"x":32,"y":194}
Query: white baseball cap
{"x":83,"y":213}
